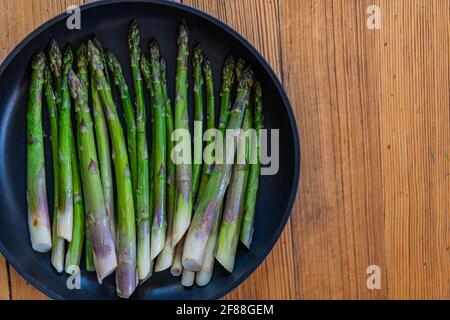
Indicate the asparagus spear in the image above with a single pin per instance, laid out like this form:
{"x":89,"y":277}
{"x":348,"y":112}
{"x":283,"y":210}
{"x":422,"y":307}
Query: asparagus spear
{"x":159,"y":217}
{"x":253,"y":178}
{"x":73,"y":256}
{"x":210,"y":119}
{"x":102,"y":240}
{"x":204,"y":275}
{"x":102,"y":57}
{"x":142,"y":184}
{"x":146,"y":72}
{"x":104,"y":157}
{"x":199,"y":231}
{"x":126,"y":228}
{"x":177,"y":267}
{"x":55,"y":59}
{"x":225,"y":106}
{"x":240,"y":65}
{"x":165,"y":258}
{"x":38,"y":218}
{"x":75,"y":248}
{"x":65,"y":201}
{"x":232,"y":216}
{"x":130,"y":120}
{"x":58,"y":244}
{"x":225,"y":94}
{"x":183,"y":211}
{"x":82,"y":65}
{"x":103,"y":146}
{"x":197,"y":61}
{"x":187,"y":278}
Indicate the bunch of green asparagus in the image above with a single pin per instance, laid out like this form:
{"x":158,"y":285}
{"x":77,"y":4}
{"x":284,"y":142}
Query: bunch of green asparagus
{"x":125,"y":197}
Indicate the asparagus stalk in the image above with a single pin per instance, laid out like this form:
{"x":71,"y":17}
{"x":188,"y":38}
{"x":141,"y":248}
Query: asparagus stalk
{"x":177,"y":267}
{"x":210,"y":104}
{"x":230,"y":228}
{"x":159,"y":226}
{"x":200,"y":229}
{"x":187,"y":278}
{"x":126,"y":228}
{"x":55,"y":58}
{"x":65,"y":201}
{"x":197,"y":61}
{"x":58,"y":244}
{"x":103,"y":146}
{"x":165,"y":259}
{"x":225,"y":94}
{"x":254,"y":172}
{"x":130,"y":120}
{"x":210,"y":119}
{"x":184,"y":202}
{"x":142,"y":184}
{"x":38,"y":218}
{"x":203,"y":277}
{"x":104,"y":157}
{"x":75,"y":249}
{"x":225,"y":106}
{"x":102,"y":239}
{"x":146,"y":72}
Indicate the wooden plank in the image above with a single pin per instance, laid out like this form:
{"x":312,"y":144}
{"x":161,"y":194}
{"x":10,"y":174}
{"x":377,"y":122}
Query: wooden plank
{"x":4,"y":280}
{"x":22,"y":290}
{"x":274,"y":279}
{"x":373,"y":115}
{"x":331,"y":79}
{"x":415,"y":126}
{"x":19,"y":18}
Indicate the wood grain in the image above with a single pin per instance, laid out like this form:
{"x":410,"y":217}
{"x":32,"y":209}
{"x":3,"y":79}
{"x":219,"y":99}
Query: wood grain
{"x":372,"y":108}
{"x":4,"y":280}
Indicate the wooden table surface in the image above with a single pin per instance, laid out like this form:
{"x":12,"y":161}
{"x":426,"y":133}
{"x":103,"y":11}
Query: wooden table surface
{"x":372,"y":108}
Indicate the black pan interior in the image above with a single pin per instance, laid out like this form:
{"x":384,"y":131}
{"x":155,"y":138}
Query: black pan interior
{"x":109,"y":21}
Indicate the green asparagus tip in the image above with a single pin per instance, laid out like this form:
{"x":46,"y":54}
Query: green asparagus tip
{"x":75,"y":85}
{"x":113,"y":62}
{"x":247,"y":78}
{"x":98,"y":44}
{"x":240,"y":65}
{"x":134,"y":36}
{"x":94,"y":56}
{"x":39,"y":61}
{"x":197,"y":58}
{"x":82,"y":55}
{"x":55,"y":57}
{"x":228,"y":72}
{"x":145,"y":67}
{"x":162,"y":63}
{"x":154,"y":49}
{"x":207,"y":68}
{"x":47,"y":75}
{"x":68,"y":55}
{"x":183,"y":33}
{"x":258,"y":89}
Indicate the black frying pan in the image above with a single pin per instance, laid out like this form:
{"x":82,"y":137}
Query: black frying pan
{"x":109,"y":21}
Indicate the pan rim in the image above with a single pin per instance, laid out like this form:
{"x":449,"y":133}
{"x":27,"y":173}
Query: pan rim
{"x":293,"y":127}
